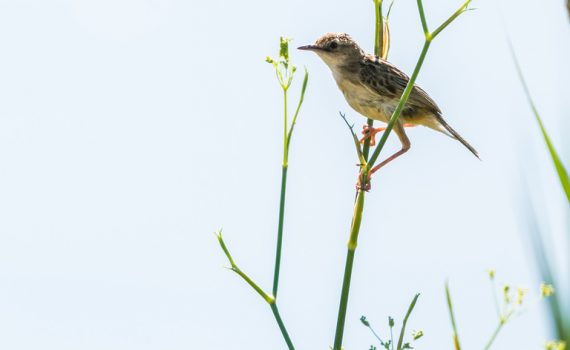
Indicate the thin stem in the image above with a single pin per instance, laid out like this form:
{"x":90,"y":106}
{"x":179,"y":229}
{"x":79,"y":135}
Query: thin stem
{"x":494,"y":335}
{"x":355,"y":139}
{"x":275,"y":310}
{"x":423,"y":17}
{"x":280,"y":229}
{"x":452,"y":316}
{"x":352,"y":243}
{"x":410,"y":85}
{"x":376,"y":335}
{"x":343,"y":300}
{"x":392,"y":337}
{"x":378,"y":48}
{"x":495,"y":297}
{"x":456,"y":14}
{"x":359,"y":202}
{"x":400,"y":107}
{"x":301,"y":99}
{"x":379,"y":35}
{"x":403,"y":330}
{"x":268,"y":298}
{"x":285,"y":129}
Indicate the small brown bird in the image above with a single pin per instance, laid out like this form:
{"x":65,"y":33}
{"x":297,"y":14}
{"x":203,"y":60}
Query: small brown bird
{"x":373,"y":87}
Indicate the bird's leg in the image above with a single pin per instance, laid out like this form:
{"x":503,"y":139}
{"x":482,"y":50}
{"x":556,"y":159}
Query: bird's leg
{"x":370,"y":132}
{"x":406,"y":144}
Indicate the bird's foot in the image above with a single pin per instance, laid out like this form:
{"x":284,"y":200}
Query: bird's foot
{"x":370,"y":132}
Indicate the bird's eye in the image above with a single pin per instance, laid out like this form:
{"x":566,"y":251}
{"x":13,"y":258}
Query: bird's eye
{"x":333,"y":45}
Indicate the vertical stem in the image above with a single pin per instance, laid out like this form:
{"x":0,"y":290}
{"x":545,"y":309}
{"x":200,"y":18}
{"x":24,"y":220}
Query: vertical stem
{"x":282,"y":197}
{"x":378,"y":42}
{"x":379,"y":35}
{"x":285,"y":166}
{"x":285,"y":136}
{"x":352,"y":243}
{"x":280,"y":230}
{"x":275,"y":310}
{"x":359,"y":202}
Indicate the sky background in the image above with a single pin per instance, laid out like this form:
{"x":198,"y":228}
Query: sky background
{"x":131,"y":130}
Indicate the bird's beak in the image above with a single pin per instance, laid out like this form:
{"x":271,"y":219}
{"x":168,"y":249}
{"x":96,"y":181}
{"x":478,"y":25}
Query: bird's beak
{"x":309,"y":48}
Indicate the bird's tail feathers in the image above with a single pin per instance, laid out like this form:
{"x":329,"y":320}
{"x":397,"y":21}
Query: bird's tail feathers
{"x":448,"y":130}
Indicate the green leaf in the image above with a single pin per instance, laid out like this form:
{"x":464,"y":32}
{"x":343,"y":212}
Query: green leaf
{"x":560,"y":169}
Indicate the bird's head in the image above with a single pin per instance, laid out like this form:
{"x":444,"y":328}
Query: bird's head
{"x":336,"y":49}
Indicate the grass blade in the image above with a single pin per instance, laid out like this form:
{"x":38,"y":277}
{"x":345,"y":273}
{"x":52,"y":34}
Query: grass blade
{"x":560,"y":169}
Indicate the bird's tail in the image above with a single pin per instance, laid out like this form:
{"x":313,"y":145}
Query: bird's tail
{"x":451,"y":132}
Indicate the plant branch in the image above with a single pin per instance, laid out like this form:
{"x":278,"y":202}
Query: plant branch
{"x":352,"y":243}
{"x":423,"y":17}
{"x":233,"y":266}
{"x":408,"y":90}
{"x":281,"y":325}
{"x":355,"y":139}
{"x":456,"y":14}
{"x":494,"y":335}
{"x":378,"y":49}
{"x":365,"y":168}
{"x":279,"y":247}
{"x":403,"y":330}
{"x":301,"y":99}
{"x":268,"y":298}
{"x":452,"y":316}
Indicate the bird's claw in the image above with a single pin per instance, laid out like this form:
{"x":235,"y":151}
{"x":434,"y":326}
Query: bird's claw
{"x":370,"y":132}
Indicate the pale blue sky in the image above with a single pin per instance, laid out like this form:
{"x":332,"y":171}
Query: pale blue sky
{"x":131,"y":130}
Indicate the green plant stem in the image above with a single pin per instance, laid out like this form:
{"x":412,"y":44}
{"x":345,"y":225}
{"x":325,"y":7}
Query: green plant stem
{"x":401,"y":104}
{"x":379,"y":29}
{"x":359,"y":202}
{"x":352,"y":244}
{"x":280,"y":229}
{"x":378,"y":43}
{"x":452,"y":316}
{"x":285,"y":129}
{"x":494,"y":336}
{"x":408,"y":90}
{"x":403,"y":330}
{"x":284,"y":332}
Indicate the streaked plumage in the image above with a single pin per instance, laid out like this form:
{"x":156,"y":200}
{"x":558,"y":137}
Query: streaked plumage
{"x":373,"y":87}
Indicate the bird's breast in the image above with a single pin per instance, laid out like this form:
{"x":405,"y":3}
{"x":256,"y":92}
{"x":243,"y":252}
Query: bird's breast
{"x":364,"y":101}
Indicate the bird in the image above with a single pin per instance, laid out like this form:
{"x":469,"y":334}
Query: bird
{"x":373,"y":86}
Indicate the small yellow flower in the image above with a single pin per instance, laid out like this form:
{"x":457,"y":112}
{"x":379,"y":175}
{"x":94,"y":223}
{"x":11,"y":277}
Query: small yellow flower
{"x":417,"y":334}
{"x":506,"y":296}
{"x":520,"y":295}
{"x":555,"y":345}
{"x":546,"y":290}
{"x":491,"y":273}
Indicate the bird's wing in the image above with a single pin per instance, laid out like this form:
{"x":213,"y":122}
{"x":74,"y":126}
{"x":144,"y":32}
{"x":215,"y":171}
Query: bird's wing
{"x":387,"y":80}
